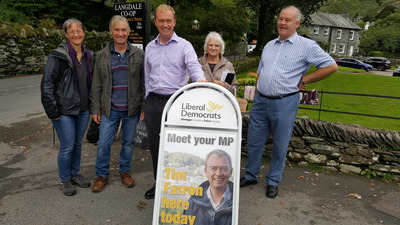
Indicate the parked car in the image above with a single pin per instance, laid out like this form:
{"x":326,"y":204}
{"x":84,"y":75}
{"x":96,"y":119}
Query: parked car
{"x":380,"y":63}
{"x":396,"y":72}
{"x":354,"y":63}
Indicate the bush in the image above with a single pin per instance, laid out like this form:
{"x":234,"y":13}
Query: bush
{"x":376,"y":53}
{"x":246,"y":64}
{"x":250,"y":80}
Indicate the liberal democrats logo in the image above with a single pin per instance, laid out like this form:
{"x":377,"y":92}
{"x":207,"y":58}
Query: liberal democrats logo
{"x":213,"y":106}
{"x":202,"y":112}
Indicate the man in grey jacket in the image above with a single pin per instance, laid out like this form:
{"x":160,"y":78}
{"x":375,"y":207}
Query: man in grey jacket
{"x":117,"y":94}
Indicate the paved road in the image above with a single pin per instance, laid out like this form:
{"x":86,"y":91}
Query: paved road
{"x":29,"y":189}
{"x":20,"y":99}
{"x":388,"y":73}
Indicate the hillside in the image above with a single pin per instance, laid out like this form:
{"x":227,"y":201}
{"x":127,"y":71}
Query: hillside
{"x":369,"y":10}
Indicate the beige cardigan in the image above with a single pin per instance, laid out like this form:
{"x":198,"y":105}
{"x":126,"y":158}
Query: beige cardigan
{"x":221,"y":66}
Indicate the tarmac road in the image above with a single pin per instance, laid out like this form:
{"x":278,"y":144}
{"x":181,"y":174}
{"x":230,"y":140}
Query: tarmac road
{"x":388,"y":73}
{"x":20,"y":99}
{"x":29,"y":189}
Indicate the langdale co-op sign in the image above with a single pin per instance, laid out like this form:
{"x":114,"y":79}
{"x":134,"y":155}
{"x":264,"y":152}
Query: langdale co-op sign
{"x":135,"y":14}
{"x":199,"y":158}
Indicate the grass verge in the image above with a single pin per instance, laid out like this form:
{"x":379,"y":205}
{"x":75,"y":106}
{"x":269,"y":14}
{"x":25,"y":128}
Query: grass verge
{"x":355,"y":81}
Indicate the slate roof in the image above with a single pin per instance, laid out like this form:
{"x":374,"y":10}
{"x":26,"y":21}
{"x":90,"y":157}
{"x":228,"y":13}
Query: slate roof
{"x":333,"y":20}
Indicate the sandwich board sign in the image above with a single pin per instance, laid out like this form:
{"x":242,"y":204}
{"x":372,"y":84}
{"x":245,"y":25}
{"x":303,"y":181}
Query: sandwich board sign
{"x":199,"y":158}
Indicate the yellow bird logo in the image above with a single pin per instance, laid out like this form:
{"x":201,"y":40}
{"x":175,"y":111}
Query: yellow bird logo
{"x":213,"y":106}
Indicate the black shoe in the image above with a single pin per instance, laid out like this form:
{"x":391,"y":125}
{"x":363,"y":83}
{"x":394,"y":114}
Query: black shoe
{"x":244,"y":182}
{"x":150,"y":193}
{"x":272,"y":191}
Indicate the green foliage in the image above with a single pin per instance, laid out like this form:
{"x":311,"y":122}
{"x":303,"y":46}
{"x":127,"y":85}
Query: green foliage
{"x":315,"y":167}
{"x":250,"y":80}
{"x":34,"y":70}
{"x":224,"y":17}
{"x":361,"y":24}
{"x":344,"y":68}
{"x":183,"y":159}
{"x":266,"y":159}
{"x":376,"y":53}
{"x":42,"y":13}
{"x":389,"y":177}
{"x":385,"y":12}
{"x":384,"y":36}
{"x":325,"y":46}
{"x":356,"y":83}
{"x":369,"y":173}
{"x":384,"y":148}
{"x":197,"y":42}
{"x":246,"y":64}
{"x":392,"y":55}
{"x":47,"y":23}
{"x":95,"y":41}
{"x":253,"y":27}
{"x":267,"y":12}
{"x":364,"y":8}
{"x":10,"y":14}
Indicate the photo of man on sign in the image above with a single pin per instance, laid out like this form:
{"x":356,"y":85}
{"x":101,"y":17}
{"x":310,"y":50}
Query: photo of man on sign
{"x":215,"y":205}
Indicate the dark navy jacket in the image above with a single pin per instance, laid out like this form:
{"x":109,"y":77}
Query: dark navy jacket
{"x":201,"y":207}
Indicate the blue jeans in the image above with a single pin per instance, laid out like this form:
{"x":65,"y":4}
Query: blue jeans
{"x":70,"y":131}
{"x":108,"y":128}
{"x":275,"y":116}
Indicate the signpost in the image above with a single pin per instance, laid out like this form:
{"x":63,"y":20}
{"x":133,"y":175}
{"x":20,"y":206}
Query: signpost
{"x":135,"y":14}
{"x":199,"y":119}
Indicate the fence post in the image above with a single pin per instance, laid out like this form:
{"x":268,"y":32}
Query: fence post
{"x":320,"y":104}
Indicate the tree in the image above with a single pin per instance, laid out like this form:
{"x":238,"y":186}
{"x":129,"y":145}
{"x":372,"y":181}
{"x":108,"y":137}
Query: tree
{"x":384,"y":36}
{"x":94,"y":14}
{"x":10,"y":14}
{"x":225,"y":17}
{"x":385,"y":12}
{"x":268,"y":11}
{"x":341,"y":6}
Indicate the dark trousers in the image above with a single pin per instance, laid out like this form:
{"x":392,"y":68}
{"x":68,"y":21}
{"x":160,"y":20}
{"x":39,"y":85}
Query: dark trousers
{"x":152,"y":117}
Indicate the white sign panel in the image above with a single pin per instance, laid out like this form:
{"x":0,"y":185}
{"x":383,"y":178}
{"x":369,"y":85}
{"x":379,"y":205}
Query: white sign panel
{"x":199,"y":160}
{"x":203,"y":107}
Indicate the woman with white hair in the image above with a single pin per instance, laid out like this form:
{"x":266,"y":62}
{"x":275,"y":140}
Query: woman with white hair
{"x":214,"y":64}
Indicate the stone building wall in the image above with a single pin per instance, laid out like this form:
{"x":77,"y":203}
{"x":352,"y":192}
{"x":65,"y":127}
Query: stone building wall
{"x":24,"y":50}
{"x":339,"y":147}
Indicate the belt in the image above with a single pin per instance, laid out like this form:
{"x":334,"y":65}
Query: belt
{"x":279,"y":96}
{"x":160,"y":96}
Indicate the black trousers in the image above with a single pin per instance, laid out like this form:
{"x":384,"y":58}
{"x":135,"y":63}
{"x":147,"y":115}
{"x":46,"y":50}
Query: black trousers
{"x":152,"y":117}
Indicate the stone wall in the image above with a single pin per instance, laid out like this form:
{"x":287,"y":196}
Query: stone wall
{"x":339,"y":147}
{"x":24,"y":50}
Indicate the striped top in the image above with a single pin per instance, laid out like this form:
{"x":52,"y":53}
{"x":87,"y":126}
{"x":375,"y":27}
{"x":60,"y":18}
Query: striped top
{"x":119,"y":68}
{"x":284,"y":63}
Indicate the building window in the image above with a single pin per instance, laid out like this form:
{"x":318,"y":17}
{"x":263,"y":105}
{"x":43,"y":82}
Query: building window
{"x":351,"y":37}
{"x":326,"y":31}
{"x":316,"y":29}
{"x":333,"y":48}
{"x":351,"y":50}
{"x":341,"y":48}
{"x":339,"y":34}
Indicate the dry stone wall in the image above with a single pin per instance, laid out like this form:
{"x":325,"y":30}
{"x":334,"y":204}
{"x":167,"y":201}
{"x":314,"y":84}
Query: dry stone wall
{"x":339,"y":147}
{"x":24,"y":50}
